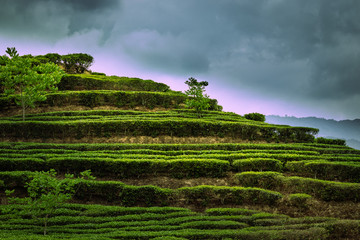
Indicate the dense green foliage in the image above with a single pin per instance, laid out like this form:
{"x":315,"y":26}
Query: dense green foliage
{"x":46,"y":193}
{"x":103,"y":82}
{"x":30,"y":82}
{"x":95,"y":98}
{"x":77,"y":62}
{"x":331,"y":141}
{"x":199,"y":100}
{"x":78,"y":221}
{"x":72,"y":63}
{"x":171,"y":123}
{"x":255,"y":116}
{"x":293,"y":174}
{"x":120,"y":161}
{"x":324,"y":190}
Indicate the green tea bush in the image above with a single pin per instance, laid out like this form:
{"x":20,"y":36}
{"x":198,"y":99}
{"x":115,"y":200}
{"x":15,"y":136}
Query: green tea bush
{"x":257,"y":164}
{"x":230,"y":211}
{"x":344,"y":229}
{"x":267,"y":180}
{"x":99,"y":81}
{"x":110,"y":98}
{"x":204,"y":195}
{"x":145,"y":196}
{"x":170,"y":127}
{"x":329,"y":141}
{"x":121,"y":168}
{"x":15,"y":178}
{"x":164,"y":147}
{"x":255,"y":117}
{"x":98,"y":73}
{"x":198,"y":168}
{"x":22,"y":164}
{"x":168,"y":238}
{"x":107,"y":190}
{"x":343,"y":171}
{"x":325,"y":190}
{"x":214,"y":225}
{"x":299,"y":200}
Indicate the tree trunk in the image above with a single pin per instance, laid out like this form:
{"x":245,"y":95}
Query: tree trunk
{"x":45,"y":224}
{"x":22,"y":104}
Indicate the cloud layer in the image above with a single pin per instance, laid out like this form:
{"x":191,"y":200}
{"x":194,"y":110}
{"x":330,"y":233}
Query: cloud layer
{"x":301,"y":51}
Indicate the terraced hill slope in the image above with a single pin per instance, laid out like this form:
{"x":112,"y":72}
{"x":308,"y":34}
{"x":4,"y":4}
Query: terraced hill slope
{"x":168,"y":174}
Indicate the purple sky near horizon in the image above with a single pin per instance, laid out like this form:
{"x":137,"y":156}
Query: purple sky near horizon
{"x":295,"y":57}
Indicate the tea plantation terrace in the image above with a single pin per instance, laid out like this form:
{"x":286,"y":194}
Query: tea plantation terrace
{"x":79,"y":221}
{"x":166,"y":172}
{"x":175,"y":123}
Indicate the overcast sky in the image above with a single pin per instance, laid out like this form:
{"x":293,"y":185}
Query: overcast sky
{"x":293,"y":57}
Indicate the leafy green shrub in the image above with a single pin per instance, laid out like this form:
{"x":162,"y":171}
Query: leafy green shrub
{"x":198,"y":168}
{"x":22,"y":164}
{"x":329,"y":141}
{"x":257,"y":164}
{"x":267,"y":180}
{"x":255,"y":117}
{"x":214,"y":225}
{"x":45,"y":194}
{"x":299,"y":200}
{"x":16,"y":178}
{"x":344,"y":229}
{"x":343,"y":171}
{"x":77,"y":62}
{"x":108,"y":190}
{"x":325,"y":190}
{"x":145,"y":196}
{"x":170,"y":127}
{"x":98,"y":73}
{"x":229,"y":211}
{"x":53,"y":57}
{"x":102,"y":82}
{"x":198,"y":100}
{"x":27,"y":83}
{"x":168,"y":238}
{"x":138,"y":167}
{"x":203,"y":195}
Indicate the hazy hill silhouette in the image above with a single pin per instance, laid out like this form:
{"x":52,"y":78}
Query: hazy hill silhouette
{"x":329,"y":128}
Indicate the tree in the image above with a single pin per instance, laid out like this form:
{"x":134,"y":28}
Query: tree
{"x":28,"y":82}
{"x":54,"y":58}
{"x":45,"y":194}
{"x":198,"y":100}
{"x":77,"y":62}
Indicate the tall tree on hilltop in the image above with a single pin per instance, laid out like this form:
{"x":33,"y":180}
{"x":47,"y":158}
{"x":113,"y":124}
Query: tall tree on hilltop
{"x":77,"y":62}
{"x":27,"y":82}
{"x":198,"y":100}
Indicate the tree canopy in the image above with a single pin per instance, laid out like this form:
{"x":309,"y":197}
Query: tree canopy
{"x":26,"y":80}
{"x":198,"y":99}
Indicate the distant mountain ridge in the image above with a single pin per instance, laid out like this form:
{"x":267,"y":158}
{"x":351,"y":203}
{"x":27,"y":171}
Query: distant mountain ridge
{"x":329,"y":128}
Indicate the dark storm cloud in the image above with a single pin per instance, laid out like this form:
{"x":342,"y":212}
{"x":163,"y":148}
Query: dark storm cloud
{"x":54,"y":19}
{"x":305,"y":48}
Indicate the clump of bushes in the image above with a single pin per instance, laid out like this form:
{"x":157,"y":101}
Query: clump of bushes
{"x":330,"y":141}
{"x":72,"y":63}
{"x":325,"y":190}
{"x":260,"y":164}
{"x":299,"y":200}
{"x":98,"y":73}
{"x":255,"y":117}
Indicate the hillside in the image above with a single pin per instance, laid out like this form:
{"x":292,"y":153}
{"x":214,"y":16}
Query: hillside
{"x":163,"y":172}
{"x":329,"y":128}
